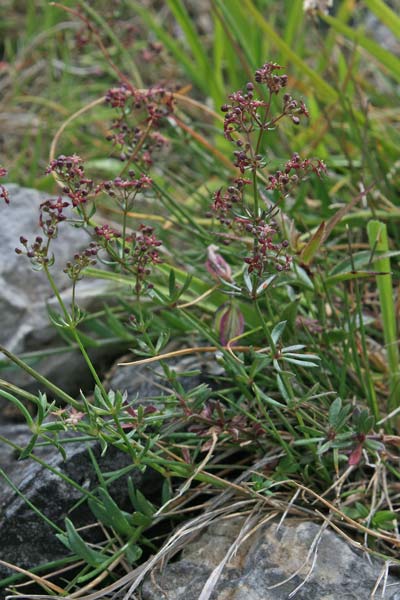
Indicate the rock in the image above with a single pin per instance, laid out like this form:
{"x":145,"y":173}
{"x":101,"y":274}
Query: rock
{"x":24,"y":293}
{"x":271,"y":556}
{"x":25,"y":539}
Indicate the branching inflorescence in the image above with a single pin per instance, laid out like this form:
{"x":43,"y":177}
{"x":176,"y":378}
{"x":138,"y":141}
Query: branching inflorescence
{"x":247,"y":120}
{"x":132,"y":251}
{"x":143,"y":138}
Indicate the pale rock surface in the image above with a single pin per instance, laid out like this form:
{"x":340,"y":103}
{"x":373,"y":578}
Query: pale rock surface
{"x":271,"y":556}
{"x":25,"y":294}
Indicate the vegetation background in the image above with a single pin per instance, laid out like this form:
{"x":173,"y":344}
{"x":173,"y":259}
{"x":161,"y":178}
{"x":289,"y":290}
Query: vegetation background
{"x":308,"y":356}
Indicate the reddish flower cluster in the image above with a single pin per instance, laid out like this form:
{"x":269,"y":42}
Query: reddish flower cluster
{"x":243,"y":112}
{"x":265,"y":250}
{"x":68,"y":167}
{"x":281,"y":180}
{"x":125,"y":190}
{"x":294,"y":108}
{"x":246,"y":114}
{"x":142,"y":253}
{"x":259,"y":259}
{"x":246,"y":120}
{"x":38,"y":252}
{"x":214,"y":419}
{"x":224,"y":201}
{"x":82,"y":260}
{"x":107,"y":233}
{"x":3,"y":190}
{"x":265,"y":75}
{"x":151,"y":52}
{"x":158,"y":102}
{"x":138,"y":251}
{"x":153,"y":107}
{"x":114,"y":185}
{"x":135,"y":253}
{"x":70,"y":171}
{"x":51,"y":214}
{"x":117,"y":97}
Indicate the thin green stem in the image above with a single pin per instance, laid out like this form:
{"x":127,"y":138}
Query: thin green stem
{"x":255,"y":199}
{"x":89,"y":363}
{"x":29,"y":503}
{"x":57,"y":293}
{"x":265,"y":328}
{"x":47,"y":466}
{"x":71,"y":325}
{"x":41,"y":379}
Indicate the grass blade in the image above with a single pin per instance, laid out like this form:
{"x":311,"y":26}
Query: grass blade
{"x":321,"y":87}
{"x":386,"y":58}
{"x":378,"y":239}
{"x":386,"y":15}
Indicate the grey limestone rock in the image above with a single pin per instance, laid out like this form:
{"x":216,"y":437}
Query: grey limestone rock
{"x":270,"y":565}
{"x":25,"y":294}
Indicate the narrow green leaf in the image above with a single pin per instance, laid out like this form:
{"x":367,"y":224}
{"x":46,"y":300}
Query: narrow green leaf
{"x":334,"y":412}
{"x":350,"y":276}
{"x":313,"y":245}
{"x":171,"y":283}
{"x":293,"y":348}
{"x":192,"y":38}
{"x":138,"y":519}
{"x":40,"y":378}
{"x":378,"y":239}
{"x":277,"y":331}
{"x":361,"y":259}
{"x":26,"y":452}
{"x":109,"y":513}
{"x":282,"y":389}
{"x":133,"y":553}
{"x":384,"y":516}
{"x":139,"y":501}
{"x":218,"y":51}
{"x":303,"y":277}
{"x":363,"y":511}
{"x":388,"y":17}
{"x":267,"y":399}
{"x":301,"y":363}
{"x":293,"y":22}
{"x":77,"y":545}
{"x":21,"y":407}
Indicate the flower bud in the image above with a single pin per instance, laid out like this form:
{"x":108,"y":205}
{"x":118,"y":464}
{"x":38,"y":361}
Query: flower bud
{"x":216,"y":265}
{"x":229,"y":322}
